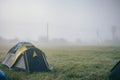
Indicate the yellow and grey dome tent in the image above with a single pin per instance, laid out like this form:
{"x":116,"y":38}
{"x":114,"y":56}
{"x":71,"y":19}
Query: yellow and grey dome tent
{"x":24,"y":56}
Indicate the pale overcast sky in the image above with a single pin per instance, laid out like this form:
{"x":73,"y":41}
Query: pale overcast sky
{"x":69,"y":19}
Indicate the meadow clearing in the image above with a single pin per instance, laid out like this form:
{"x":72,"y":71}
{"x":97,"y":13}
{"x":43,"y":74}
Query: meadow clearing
{"x":71,"y":63}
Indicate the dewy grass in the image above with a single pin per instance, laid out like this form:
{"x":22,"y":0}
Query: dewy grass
{"x":71,"y":63}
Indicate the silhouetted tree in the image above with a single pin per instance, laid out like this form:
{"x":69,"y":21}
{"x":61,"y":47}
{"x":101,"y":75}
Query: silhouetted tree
{"x":78,"y":40}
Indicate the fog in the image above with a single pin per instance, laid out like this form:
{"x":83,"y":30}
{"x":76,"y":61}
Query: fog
{"x":67,"y":20}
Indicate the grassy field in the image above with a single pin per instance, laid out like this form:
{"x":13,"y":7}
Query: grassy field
{"x":71,"y":63}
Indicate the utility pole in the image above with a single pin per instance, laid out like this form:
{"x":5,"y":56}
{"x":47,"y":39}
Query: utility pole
{"x":114,"y":30}
{"x":47,"y":32}
{"x":99,"y":36}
